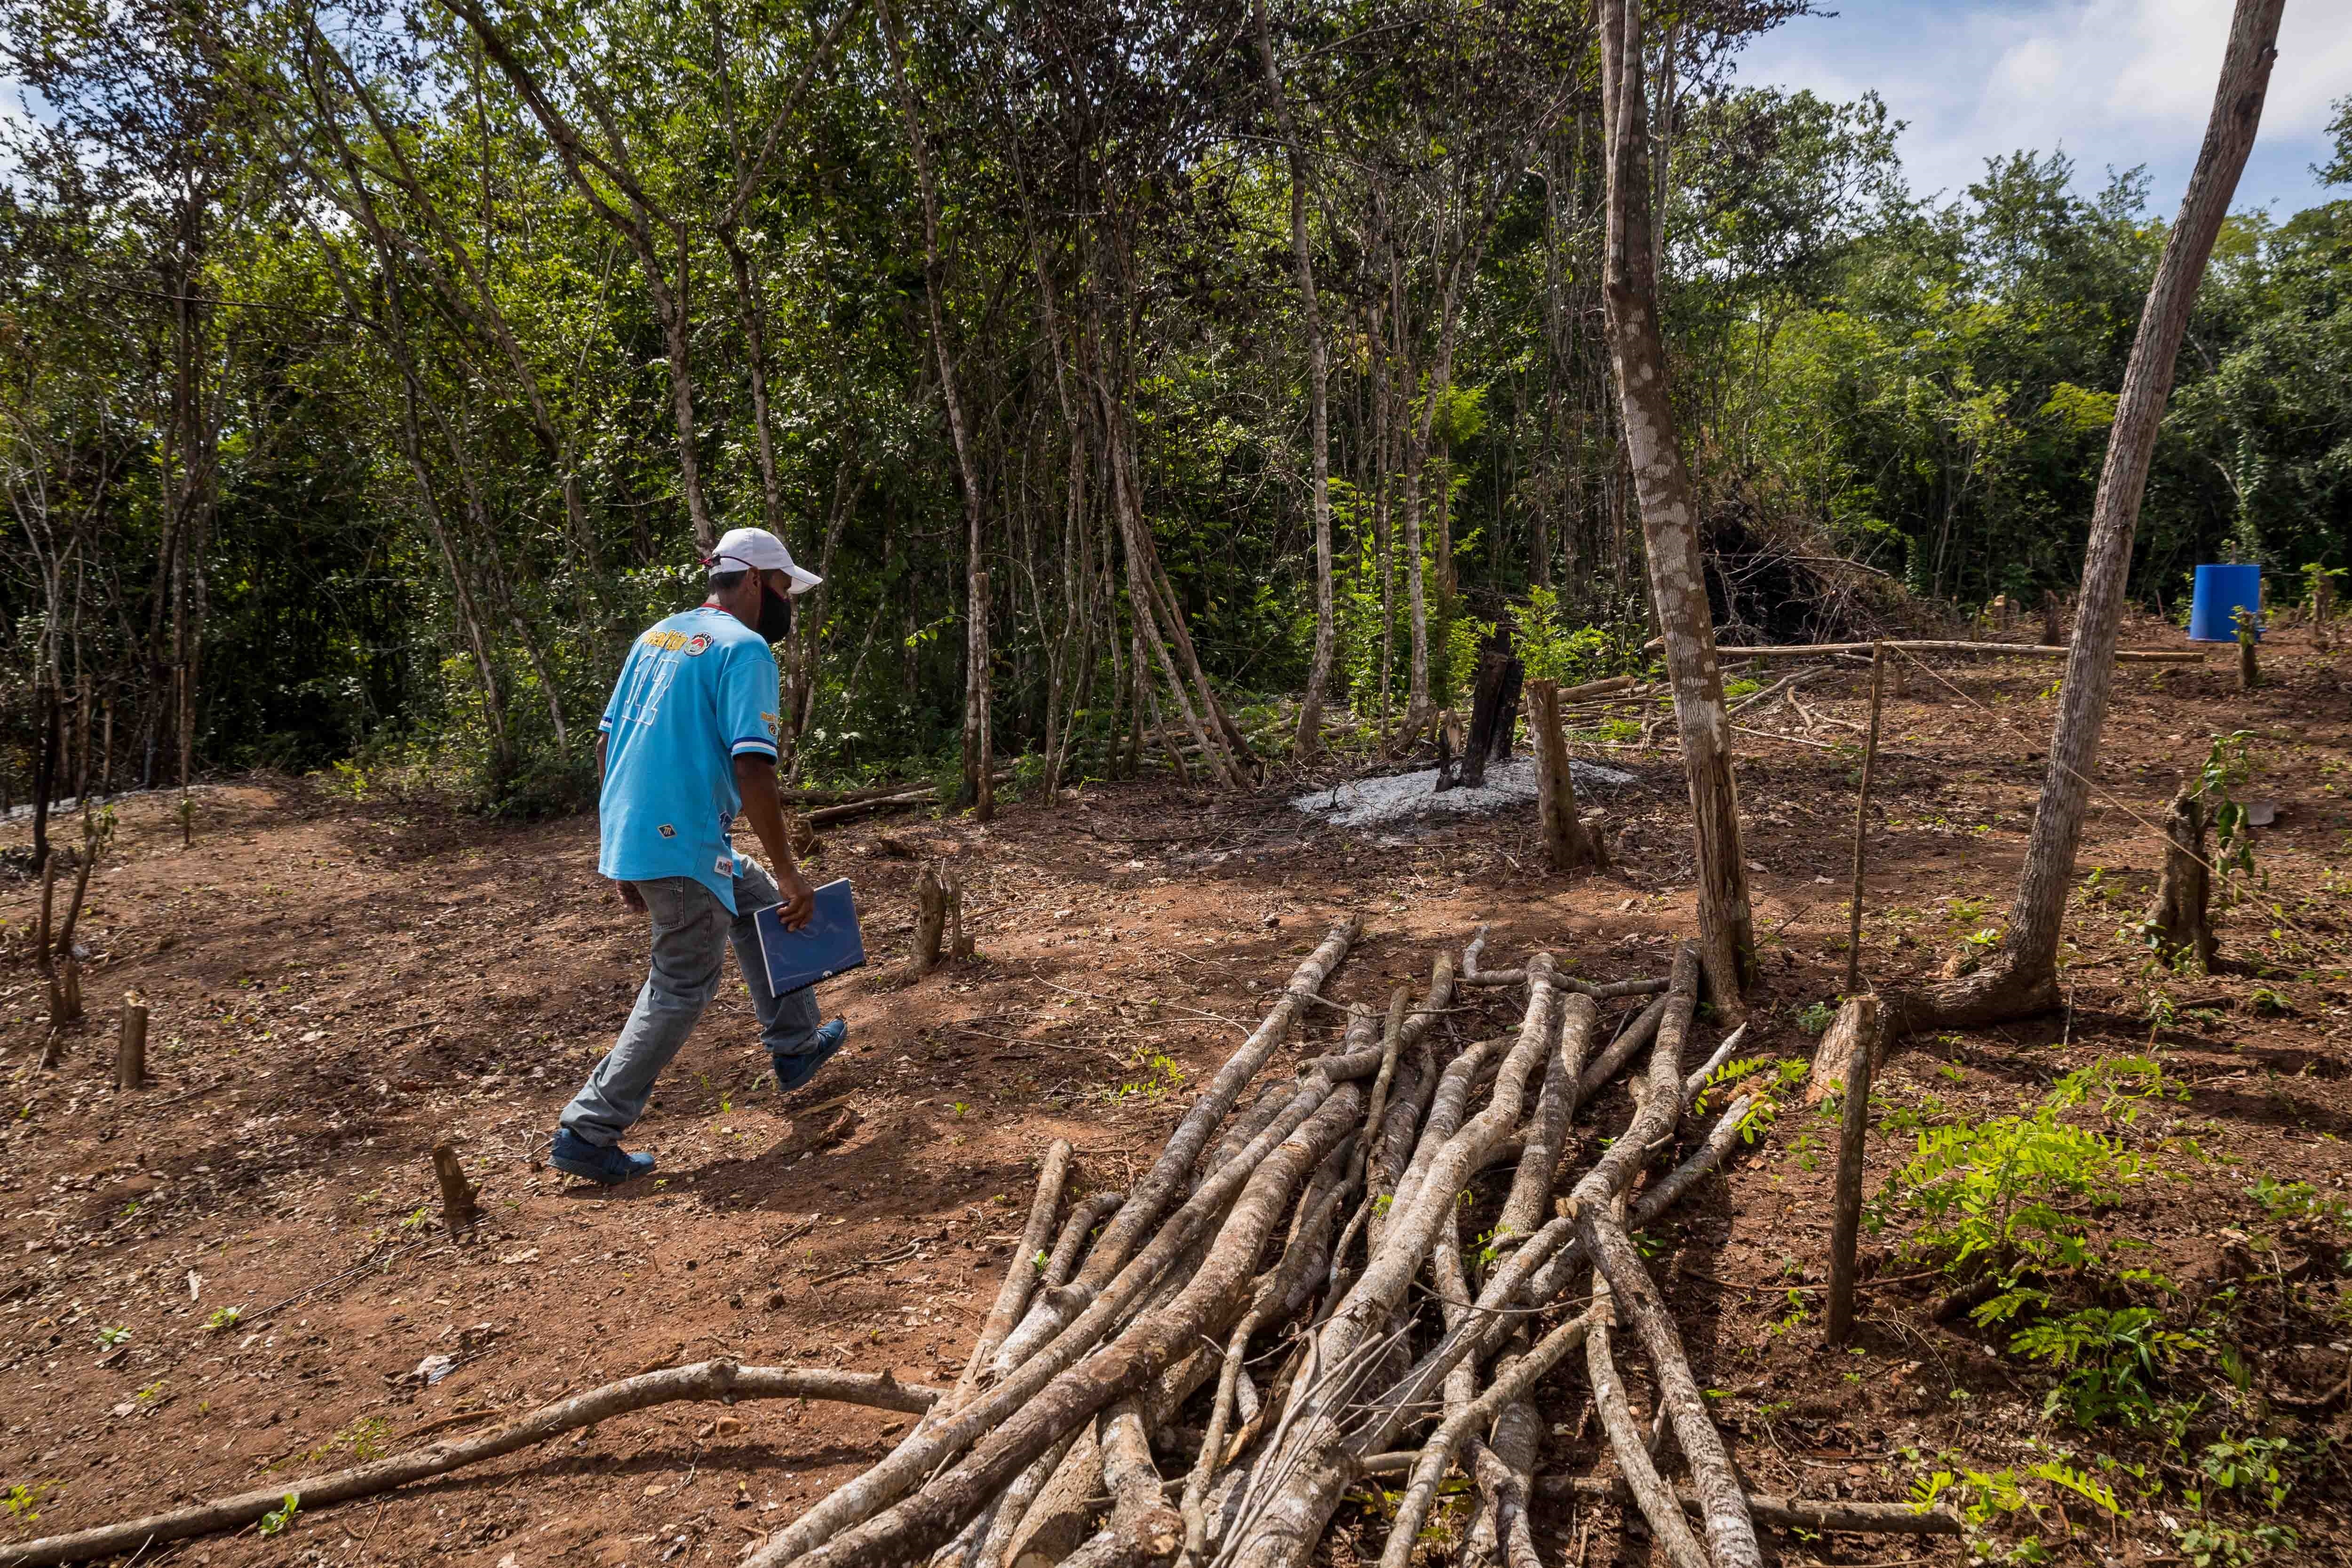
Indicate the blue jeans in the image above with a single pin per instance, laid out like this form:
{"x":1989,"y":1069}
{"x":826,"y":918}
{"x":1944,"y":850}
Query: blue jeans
{"x":691,"y":930}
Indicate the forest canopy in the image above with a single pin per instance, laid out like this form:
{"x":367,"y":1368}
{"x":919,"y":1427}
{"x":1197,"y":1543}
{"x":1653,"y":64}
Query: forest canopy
{"x":369,"y":375}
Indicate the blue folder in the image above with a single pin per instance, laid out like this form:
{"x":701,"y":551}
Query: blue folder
{"x":820,"y":950}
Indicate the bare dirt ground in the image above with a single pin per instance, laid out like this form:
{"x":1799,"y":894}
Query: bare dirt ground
{"x":338,"y":985}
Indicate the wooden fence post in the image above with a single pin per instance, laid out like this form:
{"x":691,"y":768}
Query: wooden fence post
{"x":1861,"y":819}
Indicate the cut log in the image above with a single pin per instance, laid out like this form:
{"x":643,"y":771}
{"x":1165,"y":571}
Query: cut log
{"x":1816,"y":1514}
{"x":1151,"y":1196}
{"x":1999,"y":650}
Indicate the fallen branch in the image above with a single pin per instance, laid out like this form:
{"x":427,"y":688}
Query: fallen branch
{"x":702,"y":1381}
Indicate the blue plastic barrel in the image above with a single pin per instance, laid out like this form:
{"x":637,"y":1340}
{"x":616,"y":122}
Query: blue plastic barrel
{"x":2222,"y":591}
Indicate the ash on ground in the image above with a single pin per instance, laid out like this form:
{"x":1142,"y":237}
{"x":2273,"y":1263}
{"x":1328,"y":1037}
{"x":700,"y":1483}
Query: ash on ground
{"x":1406,"y":802}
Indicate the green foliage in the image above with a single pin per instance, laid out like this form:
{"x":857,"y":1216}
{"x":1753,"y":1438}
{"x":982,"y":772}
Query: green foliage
{"x":2208,"y":1545}
{"x":2112,"y":1363}
{"x":2248,"y":1469}
{"x":276,"y":1520}
{"x":22,"y":1502}
{"x":2227,"y":767}
{"x":1549,"y":648}
{"x":1817,"y":1018}
{"x":2015,"y":1191}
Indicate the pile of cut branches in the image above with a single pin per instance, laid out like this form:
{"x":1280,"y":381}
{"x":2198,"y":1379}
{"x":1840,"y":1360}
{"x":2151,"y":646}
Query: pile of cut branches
{"x":1312,"y":1231}
{"x":1285,"y":1304}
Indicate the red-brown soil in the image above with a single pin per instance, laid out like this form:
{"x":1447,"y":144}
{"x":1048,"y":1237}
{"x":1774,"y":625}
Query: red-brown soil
{"x":337,"y":985}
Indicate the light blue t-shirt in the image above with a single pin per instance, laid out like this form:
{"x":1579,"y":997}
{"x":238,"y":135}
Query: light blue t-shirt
{"x":696,"y":692}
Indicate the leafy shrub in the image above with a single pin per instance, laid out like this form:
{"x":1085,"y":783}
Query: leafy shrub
{"x":2112,"y":1363}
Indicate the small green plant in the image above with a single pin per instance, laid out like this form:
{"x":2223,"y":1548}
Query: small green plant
{"x":23,"y":1501}
{"x":110,"y":1338}
{"x":224,"y":1319}
{"x":278,"y":1518}
{"x":2208,"y":1545}
{"x":1816,"y":1018}
{"x":2289,"y":1200}
{"x":2112,"y":1362}
{"x":2248,"y":1468}
{"x":2013,"y":1193}
{"x":2227,"y":767}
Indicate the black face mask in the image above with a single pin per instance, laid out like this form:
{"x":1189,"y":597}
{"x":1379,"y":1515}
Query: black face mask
{"x":775,"y":616}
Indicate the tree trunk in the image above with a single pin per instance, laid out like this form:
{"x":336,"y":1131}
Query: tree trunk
{"x":1307,"y":743}
{"x":979,"y":791}
{"x":2022,"y":978}
{"x":2179,"y":926}
{"x":1669,"y":518}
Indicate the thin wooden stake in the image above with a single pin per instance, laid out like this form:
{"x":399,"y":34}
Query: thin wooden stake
{"x":1861,"y":818}
{"x":1855,"y":1131}
{"x":131,"y":1051}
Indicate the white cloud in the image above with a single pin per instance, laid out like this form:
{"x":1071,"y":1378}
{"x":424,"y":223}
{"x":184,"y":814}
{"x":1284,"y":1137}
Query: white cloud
{"x":2113,"y":83}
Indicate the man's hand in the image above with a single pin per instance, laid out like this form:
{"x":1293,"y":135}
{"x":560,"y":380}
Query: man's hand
{"x":764,"y":808}
{"x":800,"y":898}
{"x":628,"y":894}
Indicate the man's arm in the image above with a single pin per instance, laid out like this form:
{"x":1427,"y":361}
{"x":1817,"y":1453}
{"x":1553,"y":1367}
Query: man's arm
{"x":755,"y":780}
{"x":628,"y":895}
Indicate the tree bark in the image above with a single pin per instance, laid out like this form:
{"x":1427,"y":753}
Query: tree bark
{"x":2022,"y":979}
{"x":979,"y":791}
{"x":1308,"y":742}
{"x":2180,"y":923}
{"x":1669,"y":517}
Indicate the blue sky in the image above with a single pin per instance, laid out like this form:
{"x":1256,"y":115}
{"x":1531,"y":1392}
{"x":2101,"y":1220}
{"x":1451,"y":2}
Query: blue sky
{"x":2113,"y":83}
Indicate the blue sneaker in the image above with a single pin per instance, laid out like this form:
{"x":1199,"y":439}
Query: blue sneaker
{"x":794,"y":1071}
{"x":607,"y":1165}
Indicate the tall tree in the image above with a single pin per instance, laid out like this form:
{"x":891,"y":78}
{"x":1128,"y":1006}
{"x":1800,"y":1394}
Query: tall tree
{"x":1307,"y":743}
{"x":1669,"y":517}
{"x":2022,"y":977}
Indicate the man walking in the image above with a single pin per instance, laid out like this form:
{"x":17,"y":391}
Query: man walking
{"x":687,"y":743}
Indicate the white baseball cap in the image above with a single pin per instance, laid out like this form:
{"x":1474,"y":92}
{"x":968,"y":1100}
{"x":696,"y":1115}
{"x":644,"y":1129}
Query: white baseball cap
{"x":749,"y":549}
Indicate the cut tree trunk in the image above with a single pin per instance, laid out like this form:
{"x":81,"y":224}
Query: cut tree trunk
{"x":2022,"y":979}
{"x":2180,"y":923}
{"x":130,"y":1050}
{"x":1568,"y":841}
{"x":1490,"y":715}
{"x":1669,"y":516}
{"x":458,"y":1210}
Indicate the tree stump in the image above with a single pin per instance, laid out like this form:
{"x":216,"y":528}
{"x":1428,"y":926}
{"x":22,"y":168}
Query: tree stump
{"x":1855,"y":1027}
{"x":1567,"y":842}
{"x":1490,"y":716}
{"x":130,"y":1050}
{"x":961,"y":941}
{"x":2053,"y":619}
{"x":2250,"y":669}
{"x":1450,"y":748}
{"x":458,"y":1210}
{"x":2180,"y":924}
{"x":930,"y":919}
{"x":2323,"y":608}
